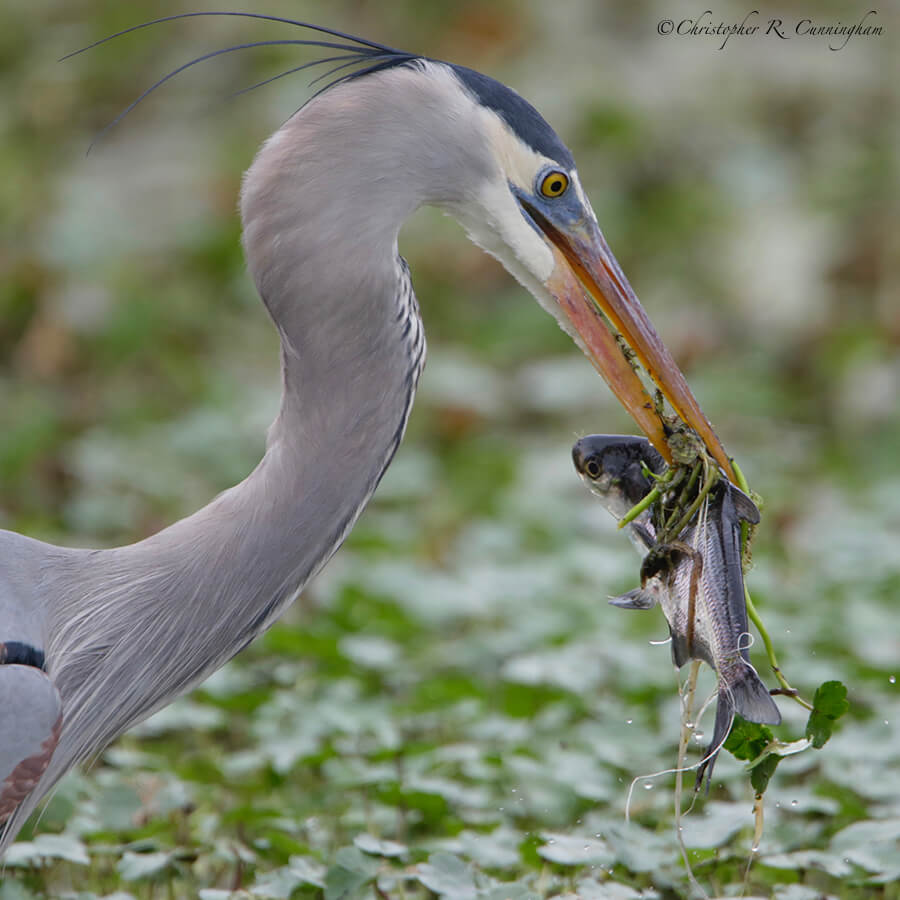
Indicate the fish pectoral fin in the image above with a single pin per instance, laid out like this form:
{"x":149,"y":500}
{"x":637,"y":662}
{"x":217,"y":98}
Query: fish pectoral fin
{"x":681,"y":652}
{"x":641,"y":537}
{"x":745,"y":508}
{"x":639,"y":598}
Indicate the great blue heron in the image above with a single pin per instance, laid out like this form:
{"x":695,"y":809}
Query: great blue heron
{"x":93,"y":641}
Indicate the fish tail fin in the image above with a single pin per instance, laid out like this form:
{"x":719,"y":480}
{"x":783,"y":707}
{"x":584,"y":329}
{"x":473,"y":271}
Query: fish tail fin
{"x":724,"y":717}
{"x":749,"y":698}
{"x":752,"y":700}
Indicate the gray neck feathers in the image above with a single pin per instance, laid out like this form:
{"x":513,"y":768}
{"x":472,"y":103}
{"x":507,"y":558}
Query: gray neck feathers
{"x":130,"y":628}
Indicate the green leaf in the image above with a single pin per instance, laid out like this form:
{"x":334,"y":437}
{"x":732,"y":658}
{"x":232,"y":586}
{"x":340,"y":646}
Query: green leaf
{"x":117,"y":807}
{"x":829,"y":704}
{"x":370,"y":844}
{"x":44,"y":847}
{"x":717,"y":825}
{"x":747,"y":740}
{"x":354,"y":860}
{"x":510,"y":891}
{"x":575,"y":850}
{"x":831,"y":699}
{"x":134,"y":866}
{"x":308,"y":870}
{"x":832,"y":863}
{"x":276,"y":885}
{"x":14,"y":890}
{"x":763,"y":765}
{"x":341,"y":883}
{"x":350,"y":873}
{"x":796,"y":892}
{"x":763,"y":771}
{"x":448,"y":876}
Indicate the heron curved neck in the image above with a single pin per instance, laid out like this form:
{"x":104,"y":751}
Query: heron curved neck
{"x":197,"y":592}
{"x":351,"y":354}
{"x":321,"y":211}
{"x":130,"y":628}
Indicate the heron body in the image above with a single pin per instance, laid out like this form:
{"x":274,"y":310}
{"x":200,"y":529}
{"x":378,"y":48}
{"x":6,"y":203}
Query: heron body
{"x":100,"y":639}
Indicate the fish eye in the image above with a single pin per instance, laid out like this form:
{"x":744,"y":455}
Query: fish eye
{"x":592,"y":467}
{"x":554,"y":184}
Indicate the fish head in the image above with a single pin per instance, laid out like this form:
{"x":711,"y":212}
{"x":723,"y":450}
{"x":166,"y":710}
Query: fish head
{"x":614,"y":467}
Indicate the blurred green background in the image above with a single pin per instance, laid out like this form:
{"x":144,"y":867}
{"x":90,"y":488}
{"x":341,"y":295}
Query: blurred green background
{"x":455,"y":683}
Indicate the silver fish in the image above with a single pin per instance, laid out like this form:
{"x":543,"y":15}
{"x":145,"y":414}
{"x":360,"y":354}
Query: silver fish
{"x":697,"y":579}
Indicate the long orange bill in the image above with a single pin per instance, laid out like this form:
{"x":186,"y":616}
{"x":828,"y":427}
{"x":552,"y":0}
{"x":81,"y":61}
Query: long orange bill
{"x":589,"y":284}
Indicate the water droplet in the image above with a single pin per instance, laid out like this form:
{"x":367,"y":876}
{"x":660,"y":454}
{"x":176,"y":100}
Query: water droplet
{"x":648,"y":787}
{"x":886,"y":722}
{"x":777,"y":804}
{"x":893,"y":679}
{"x":787,"y":630}
{"x":794,"y":802}
{"x":551,"y":840}
{"x":512,"y":790}
{"x":698,"y":737}
{"x":628,"y":721}
{"x":585,"y":848}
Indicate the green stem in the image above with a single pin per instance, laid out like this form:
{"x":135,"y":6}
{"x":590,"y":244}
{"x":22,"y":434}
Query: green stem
{"x":741,"y":480}
{"x":708,"y":485}
{"x":745,"y":526}
{"x":754,"y":615}
{"x":638,"y":508}
{"x":770,"y":651}
{"x":685,"y":493}
{"x":695,"y":474}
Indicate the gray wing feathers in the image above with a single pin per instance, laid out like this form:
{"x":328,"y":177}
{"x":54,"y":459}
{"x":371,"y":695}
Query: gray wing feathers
{"x":30,"y":704}
{"x":30,"y":722}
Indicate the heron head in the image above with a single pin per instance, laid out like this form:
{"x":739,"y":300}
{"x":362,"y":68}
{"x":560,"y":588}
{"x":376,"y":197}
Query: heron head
{"x":435,"y":133}
{"x":532,"y":213}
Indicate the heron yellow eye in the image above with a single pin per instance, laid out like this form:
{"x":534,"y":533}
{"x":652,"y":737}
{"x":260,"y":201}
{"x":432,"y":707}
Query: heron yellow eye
{"x":554,"y":184}
{"x":592,"y":468}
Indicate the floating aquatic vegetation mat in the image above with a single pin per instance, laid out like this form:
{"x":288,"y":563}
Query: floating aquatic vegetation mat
{"x":453,"y":710}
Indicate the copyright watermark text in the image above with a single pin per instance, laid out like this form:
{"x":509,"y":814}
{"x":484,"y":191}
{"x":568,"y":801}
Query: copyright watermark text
{"x":835,"y":33}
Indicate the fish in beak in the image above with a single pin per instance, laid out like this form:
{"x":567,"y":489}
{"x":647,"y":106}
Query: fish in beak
{"x":592,"y":290}
{"x":696,"y":577}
